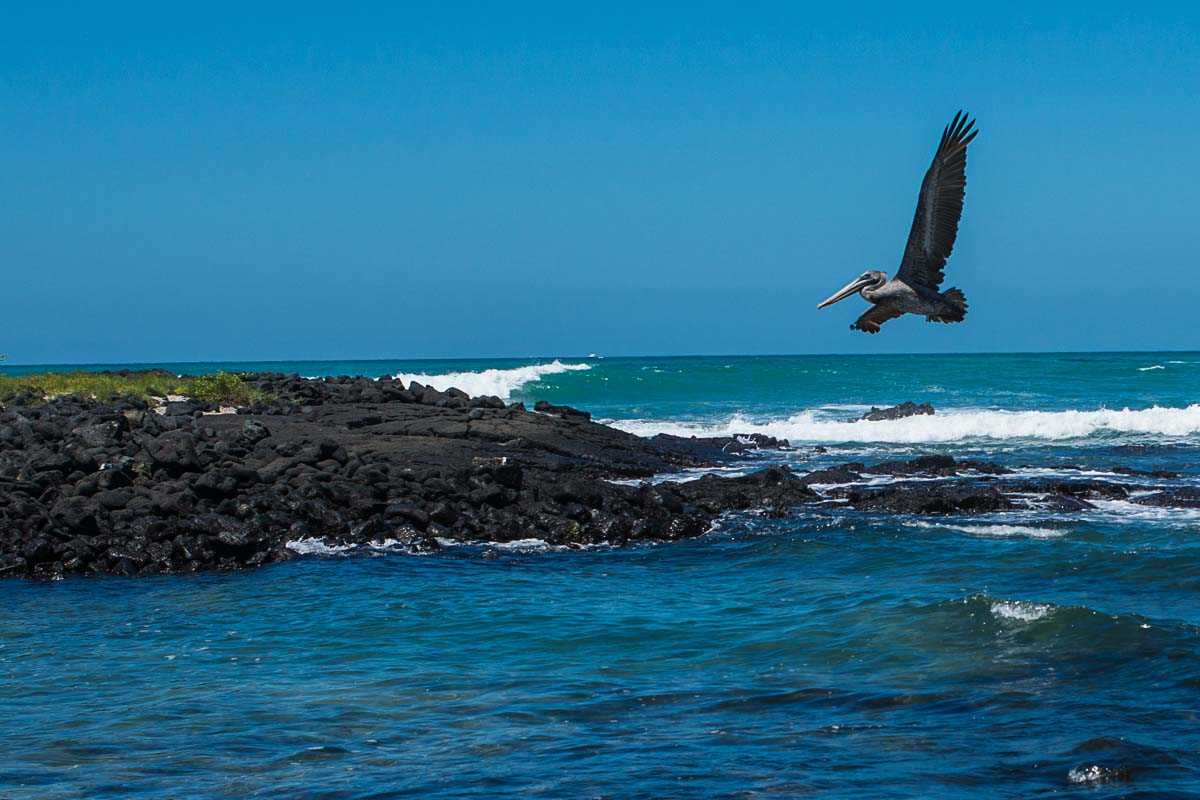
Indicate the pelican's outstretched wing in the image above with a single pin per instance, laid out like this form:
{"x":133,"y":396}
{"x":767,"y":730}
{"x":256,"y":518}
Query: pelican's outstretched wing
{"x":939,"y":207}
{"x":871,"y":321}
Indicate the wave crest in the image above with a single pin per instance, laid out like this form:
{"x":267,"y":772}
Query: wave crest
{"x":947,"y":426}
{"x":999,"y":530}
{"x":1020,"y":611}
{"x":499,"y":382}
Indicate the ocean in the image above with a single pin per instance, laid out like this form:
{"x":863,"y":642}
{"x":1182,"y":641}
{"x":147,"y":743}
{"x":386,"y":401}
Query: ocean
{"x":830,"y":653}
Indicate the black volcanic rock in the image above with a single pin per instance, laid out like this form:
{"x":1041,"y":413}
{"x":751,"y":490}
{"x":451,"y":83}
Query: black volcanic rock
{"x":846,"y":473}
{"x":88,"y":487}
{"x":1179,"y":497}
{"x":543,"y":407}
{"x":907,"y":409}
{"x":931,"y":498}
{"x":937,"y":466}
{"x":717,"y":448}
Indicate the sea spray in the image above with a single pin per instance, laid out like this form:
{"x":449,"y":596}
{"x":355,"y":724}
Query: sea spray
{"x":499,"y":382}
{"x":948,"y":426}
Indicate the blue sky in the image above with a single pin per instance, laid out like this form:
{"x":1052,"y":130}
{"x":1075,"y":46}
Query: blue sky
{"x":527,"y":179}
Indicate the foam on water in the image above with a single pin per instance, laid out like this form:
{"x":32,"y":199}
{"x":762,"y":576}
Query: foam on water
{"x":499,"y":382}
{"x":530,"y":545}
{"x":312,"y":546}
{"x":1038,"y":650}
{"x":947,"y":426}
{"x":683,"y":476}
{"x":994,"y":531}
{"x":1093,"y":773}
{"x":1021,"y":611}
{"x":1125,"y":510}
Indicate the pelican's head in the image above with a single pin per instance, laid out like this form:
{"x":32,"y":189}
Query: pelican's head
{"x":871,"y":279}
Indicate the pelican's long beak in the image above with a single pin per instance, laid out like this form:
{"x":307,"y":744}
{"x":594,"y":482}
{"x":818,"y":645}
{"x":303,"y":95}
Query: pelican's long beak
{"x":844,"y":292}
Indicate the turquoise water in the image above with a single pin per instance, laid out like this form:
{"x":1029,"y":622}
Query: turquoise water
{"x":688,"y":386}
{"x":832,"y":653}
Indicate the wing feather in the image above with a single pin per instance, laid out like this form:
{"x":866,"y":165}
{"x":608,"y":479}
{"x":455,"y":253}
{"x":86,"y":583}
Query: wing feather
{"x":939,"y":207}
{"x":873,"y":319}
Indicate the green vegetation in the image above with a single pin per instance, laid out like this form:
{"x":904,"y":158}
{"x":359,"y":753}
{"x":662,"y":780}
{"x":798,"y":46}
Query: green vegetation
{"x":223,"y":388}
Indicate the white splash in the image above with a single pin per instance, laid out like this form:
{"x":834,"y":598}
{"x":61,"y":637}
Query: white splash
{"x":1152,"y":366}
{"x":1093,"y":773}
{"x":395,"y":546}
{"x":530,"y":545}
{"x":683,"y":476}
{"x":516,"y":545}
{"x":523,"y":545}
{"x":995,"y":531}
{"x":499,"y":382}
{"x":945,"y":426}
{"x":1135,"y":511}
{"x":312,"y":546}
{"x":1020,"y":611}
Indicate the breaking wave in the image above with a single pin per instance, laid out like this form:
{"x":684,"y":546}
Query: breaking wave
{"x":499,"y":382}
{"x":994,"y":531}
{"x":945,"y":426}
{"x":313,"y":546}
{"x":1021,"y":611}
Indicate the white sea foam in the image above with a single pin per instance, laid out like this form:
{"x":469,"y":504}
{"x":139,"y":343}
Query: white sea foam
{"x":1134,"y":511}
{"x":1093,"y":773}
{"x":1152,"y":366}
{"x":945,"y":426}
{"x":521,"y":545}
{"x":995,"y":531}
{"x":516,"y":545}
{"x":683,"y":476}
{"x":312,"y":546}
{"x":499,"y":382}
{"x":315,"y":546}
{"x":1021,"y":611}
{"x":1063,"y":472}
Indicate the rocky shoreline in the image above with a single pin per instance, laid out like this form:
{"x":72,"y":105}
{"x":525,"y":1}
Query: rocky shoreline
{"x":129,"y":488}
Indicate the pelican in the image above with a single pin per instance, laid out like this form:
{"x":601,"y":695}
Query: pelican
{"x":914,"y":290}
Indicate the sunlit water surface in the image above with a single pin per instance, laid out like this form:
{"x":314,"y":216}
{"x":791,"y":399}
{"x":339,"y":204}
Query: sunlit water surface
{"x":827,"y":654}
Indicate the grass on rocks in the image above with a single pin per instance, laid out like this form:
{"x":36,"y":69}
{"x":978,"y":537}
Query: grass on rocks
{"x":223,"y":388}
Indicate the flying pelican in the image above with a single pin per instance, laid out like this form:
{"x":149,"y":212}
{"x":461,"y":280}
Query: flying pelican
{"x":914,"y":290}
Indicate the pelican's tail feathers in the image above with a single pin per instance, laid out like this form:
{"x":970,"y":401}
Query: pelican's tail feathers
{"x":955,"y":307}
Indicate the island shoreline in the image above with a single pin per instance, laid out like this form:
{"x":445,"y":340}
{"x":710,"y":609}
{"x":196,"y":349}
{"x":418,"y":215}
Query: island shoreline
{"x":137,"y":487}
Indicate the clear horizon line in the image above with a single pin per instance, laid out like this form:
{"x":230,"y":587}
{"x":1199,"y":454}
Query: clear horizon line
{"x":149,"y":363}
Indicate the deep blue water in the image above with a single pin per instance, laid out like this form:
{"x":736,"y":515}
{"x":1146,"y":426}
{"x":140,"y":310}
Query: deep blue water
{"x":829,"y":654}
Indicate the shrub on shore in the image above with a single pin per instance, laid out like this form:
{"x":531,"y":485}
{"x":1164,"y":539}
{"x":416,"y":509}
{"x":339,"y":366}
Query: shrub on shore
{"x":222,"y":388}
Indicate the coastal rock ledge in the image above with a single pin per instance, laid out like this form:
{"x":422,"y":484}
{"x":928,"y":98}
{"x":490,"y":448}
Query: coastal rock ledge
{"x":126,"y":488}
